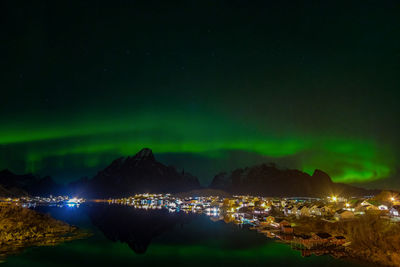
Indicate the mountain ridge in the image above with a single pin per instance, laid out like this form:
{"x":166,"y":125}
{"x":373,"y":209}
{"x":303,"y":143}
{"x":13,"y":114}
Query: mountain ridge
{"x":16,"y":185}
{"x":137,"y":174}
{"x":142,"y":173}
{"x":268,"y":180}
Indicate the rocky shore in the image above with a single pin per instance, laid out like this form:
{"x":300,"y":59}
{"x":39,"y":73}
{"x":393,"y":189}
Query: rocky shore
{"x":371,"y":238}
{"x":21,"y":228}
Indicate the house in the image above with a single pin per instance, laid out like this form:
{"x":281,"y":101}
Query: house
{"x":320,"y":238}
{"x":326,"y":211}
{"x":338,"y":240}
{"x":369,"y":204}
{"x":365,"y":203}
{"x":304,"y":211}
{"x":276,"y":203}
{"x":395,"y":211}
{"x":368,"y":208}
{"x":288,"y":210}
{"x":283,"y":224}
{"x":244,"y":210}
{"x":294,"y":210}
{"x":298,"y":211}
{"x":323,"y":235}
{"x":287,"y":229}
{"x":260,"y":211}
{"x":316,"y":239}
{"x":343,"y":214}
{"x":316,"y":210}
{"x":199,"y":207}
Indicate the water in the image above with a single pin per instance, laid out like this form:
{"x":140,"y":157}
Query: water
{"x":127,"y":236}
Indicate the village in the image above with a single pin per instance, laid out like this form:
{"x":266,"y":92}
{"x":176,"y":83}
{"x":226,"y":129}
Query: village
{"x":28,"y":201}
{"x":311,"y":225}
{"x":334,"y":225}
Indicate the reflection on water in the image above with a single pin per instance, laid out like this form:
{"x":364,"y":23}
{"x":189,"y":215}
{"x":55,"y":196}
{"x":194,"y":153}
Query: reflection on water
{"x":125,"y":236}
{"x":135,"y":227}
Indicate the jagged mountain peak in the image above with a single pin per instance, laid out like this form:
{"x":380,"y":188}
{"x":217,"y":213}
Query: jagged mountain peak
{"x":144,"y":154}
{"x":137,"y":174}
{"x":318,"y":172}
{"x":321,"y":175}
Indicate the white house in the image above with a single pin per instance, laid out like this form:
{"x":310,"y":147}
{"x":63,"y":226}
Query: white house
{"x":395,"y":211}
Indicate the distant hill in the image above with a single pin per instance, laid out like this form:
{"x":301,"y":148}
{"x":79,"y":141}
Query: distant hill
{"x":12,"y":184}
{"x":141,"y":173}
{"x":268,"y":180}
{"x":12,"y":192}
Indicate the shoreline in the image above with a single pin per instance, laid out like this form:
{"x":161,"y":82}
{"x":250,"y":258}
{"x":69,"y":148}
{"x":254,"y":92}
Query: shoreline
{"x":21,"y":228}
{"x":351,"y":250}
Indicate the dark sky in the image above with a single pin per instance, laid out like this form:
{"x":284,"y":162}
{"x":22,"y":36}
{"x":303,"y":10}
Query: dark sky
{"x":208,"y":85}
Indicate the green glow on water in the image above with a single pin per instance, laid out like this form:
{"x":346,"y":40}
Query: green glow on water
{"x":84,"y":253}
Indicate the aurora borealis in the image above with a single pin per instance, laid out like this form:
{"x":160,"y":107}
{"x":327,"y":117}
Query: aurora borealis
{"x":208,"y":85}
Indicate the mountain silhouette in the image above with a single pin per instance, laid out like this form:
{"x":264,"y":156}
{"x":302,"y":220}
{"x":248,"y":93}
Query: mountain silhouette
{"x":12,"y":184}
{"x":268,"y":180}
{"x":126,"y":176}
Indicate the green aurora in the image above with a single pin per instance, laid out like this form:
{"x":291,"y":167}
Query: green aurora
{"x":208,"y":87}
{"x":347,"y":160}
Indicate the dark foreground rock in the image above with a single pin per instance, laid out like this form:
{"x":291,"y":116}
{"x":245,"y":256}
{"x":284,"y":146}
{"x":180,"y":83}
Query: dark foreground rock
{"x":21,"y":228}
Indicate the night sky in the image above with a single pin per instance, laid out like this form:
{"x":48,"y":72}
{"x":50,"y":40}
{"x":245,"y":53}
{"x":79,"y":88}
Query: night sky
{"x":208,"y":85}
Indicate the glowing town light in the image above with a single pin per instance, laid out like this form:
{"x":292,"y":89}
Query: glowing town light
{"x":334,"y":198}
{"x":392,"y":199}
{"x":347,"y":205}
{"x":73,"y":200}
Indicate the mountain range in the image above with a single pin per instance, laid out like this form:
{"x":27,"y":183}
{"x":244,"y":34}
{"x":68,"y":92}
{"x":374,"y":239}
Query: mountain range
{"x":142,"y":173}
{"x":269,"y":180}
{"x":12,"y":184}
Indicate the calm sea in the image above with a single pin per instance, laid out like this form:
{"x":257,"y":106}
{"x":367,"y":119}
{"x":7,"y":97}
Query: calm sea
{"x":124,"y":236}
